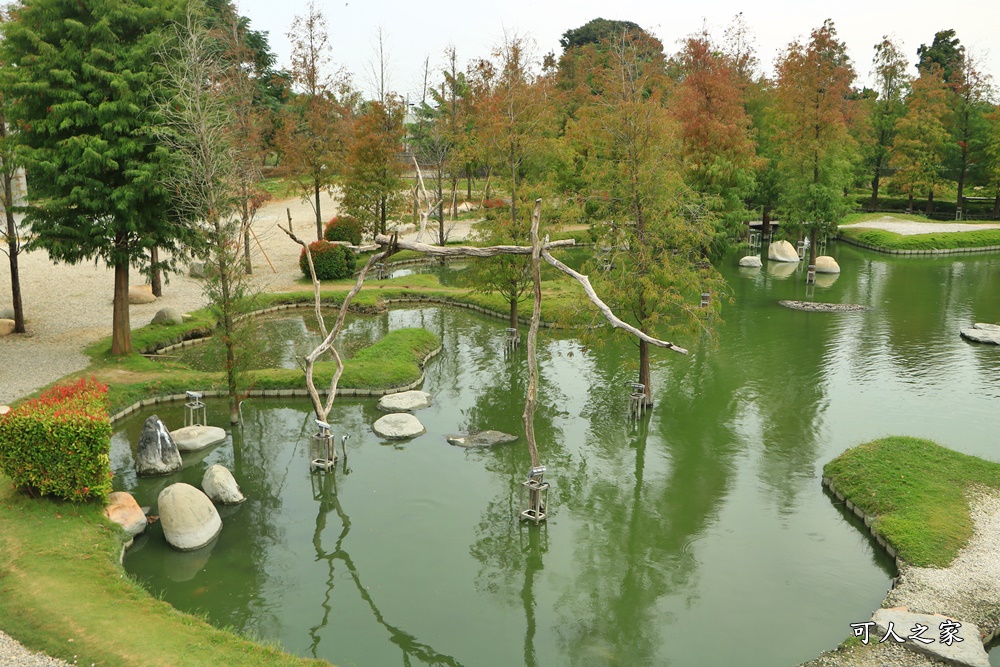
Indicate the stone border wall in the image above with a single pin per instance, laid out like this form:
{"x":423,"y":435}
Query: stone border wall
{"x":918,"y":251}
{"x":990,"y":635}
{"x":276,"y":393}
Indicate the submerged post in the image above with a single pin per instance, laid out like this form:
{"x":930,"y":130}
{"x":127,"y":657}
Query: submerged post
{"x":537,"y":490}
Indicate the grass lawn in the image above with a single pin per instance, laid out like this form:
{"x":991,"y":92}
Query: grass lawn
{"x":916,"y":490}
{"x":63,"y":591}
{"x":881,"y":238}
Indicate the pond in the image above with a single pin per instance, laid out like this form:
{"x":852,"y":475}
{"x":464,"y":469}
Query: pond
{"x":700,"y":536}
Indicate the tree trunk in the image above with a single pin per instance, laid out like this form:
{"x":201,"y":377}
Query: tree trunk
{"x":121,"y":333}
{"x":961,"y":171}
{"x":536,"y":314}
{"x":909,"y":204}
{"x":873,"y":204}
{"x":154,"y":275}
{"x":319,"y":216}
{"x":440,"y":206}
{"x":765,"y":224}
{"x":930,"y":202}
{"x":513,"y":312}
{"x":13,"y":250}
{"x":247,"y":265}
{"x":813,"y":237}
{"x":225,"y":267}
{"x":468,"y":182}
{"x":644,"y":372}
{"x":996,"y":207}
{"x":382,"y":205}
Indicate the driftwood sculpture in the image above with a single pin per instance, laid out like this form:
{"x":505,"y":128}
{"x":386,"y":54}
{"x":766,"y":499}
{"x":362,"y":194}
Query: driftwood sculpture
{"x":534,"y":509}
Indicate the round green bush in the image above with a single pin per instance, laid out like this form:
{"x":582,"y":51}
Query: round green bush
{"x":343,"y":228}
{"x":331,"y":261}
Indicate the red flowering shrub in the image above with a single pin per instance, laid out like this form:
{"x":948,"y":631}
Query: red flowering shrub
{"x":59,"y":443}
{"x":494,"y":203}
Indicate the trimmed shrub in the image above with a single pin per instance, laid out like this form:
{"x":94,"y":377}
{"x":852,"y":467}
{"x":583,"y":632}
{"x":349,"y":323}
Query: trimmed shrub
{"x":58,"y":444}
{"x":343,"y":228}
{"x":331,"y":261}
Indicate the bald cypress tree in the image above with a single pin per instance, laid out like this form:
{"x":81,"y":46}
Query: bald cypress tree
{"x":81,"y":81}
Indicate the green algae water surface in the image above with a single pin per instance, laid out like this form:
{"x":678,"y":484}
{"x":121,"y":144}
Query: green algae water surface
{"x":700,"y":536}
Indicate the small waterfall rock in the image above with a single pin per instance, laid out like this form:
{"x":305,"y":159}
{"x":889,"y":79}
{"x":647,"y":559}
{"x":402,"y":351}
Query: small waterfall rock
{"x":782,"y":251}
{"x":197,"y":437}
{"x":404,"y":401}
{"x":221,"y":487}
{"x":125,"y":511}
{"x":751,"y":261}
{"x":189,"y":519}
{"x":156,"y":454}
{"x":827,"y":264}
{"x":398,"y":426}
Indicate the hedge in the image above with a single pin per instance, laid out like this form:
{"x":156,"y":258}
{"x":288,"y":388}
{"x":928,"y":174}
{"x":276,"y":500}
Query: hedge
{"x":58,"y":444}
{"x":331,"y":261}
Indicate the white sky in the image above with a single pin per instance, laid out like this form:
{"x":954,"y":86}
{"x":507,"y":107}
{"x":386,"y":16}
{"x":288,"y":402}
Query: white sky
{"x":416,"y":30}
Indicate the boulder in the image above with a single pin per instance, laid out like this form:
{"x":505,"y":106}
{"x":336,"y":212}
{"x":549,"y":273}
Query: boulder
{"x":398,"y":426}
{"x":782,"y":251}
{"x":967,"y":649}
{"x":752,"y":262}
{"x":983,"y":333}
{"x":6,"y":327}
{"x":7,"y":314}
{"x":189,"y":519}
{"x":220,"y":486}
{"x":123,"y":510}
{"x":156,"y":453}
{"x":827,"y":264}
{"x":139,"y":294}
{"x":4,"y":409}
{"x":168,"y":316}
{"x":481,"y":439}
{"x":404,"y":401}
{"x":197,"y":437}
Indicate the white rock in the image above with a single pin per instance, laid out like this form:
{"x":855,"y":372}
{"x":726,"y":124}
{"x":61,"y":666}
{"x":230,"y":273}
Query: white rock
{"x":983,"y":333}
{"x":6,"y":327}
{"x":125,"y":511}
{"x":398,"y":426}
{"x":827,"y":264}
{"x":4,"y":409}
{"x":219,"y":485}
{"x":189,"y":519}
{"x":194,"y":438}
{"x":404,"y":401}
{"x":782,"y":251}
{"x":751,"y":261}
{"x":168,"y":316}
{"x":969,"y":651}
{"x":139,"y":294}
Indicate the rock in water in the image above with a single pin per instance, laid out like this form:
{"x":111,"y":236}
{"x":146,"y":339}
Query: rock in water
{"x":194,"y":438}
{"x":398,"y":426}
{"x":123,"y":510}
{"x":156,"y":454}
{"x":168,"y":316}
{"x":751,"y":261}
{"x":220,"y":486}
{"x":189,"y":519}
{"x":782,"y":251}
{"x":481,"y":439}
{"x":983,"y":333}
{"x":404,"y":401}
{"x":827,"y":264}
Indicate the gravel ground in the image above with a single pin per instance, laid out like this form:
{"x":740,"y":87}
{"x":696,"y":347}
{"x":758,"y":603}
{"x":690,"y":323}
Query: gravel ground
{"x":13,"y":654}
{"x":911,"y":227}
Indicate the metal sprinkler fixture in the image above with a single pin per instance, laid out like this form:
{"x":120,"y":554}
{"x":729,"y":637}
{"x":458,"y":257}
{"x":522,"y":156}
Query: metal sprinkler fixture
{"x":322,"y":454}
{"x":195,"y":412}
{"x":636,"y":399}
{"x":534,"y":496}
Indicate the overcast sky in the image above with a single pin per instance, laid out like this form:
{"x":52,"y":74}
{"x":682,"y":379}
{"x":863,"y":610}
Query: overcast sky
{"x":416,"y":30}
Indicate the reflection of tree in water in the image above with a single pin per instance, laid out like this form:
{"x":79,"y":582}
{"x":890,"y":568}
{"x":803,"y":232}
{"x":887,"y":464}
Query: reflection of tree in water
{"x":325,"y":491}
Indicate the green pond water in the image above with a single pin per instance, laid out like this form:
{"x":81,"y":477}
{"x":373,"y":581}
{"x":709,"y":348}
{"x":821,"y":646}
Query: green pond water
{"x":700,"y":536}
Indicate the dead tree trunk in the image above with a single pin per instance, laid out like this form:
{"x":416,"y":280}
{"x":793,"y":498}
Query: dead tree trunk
{"x":536,"y":315}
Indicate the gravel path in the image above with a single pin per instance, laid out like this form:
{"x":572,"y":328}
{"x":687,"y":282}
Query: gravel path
{"x":911,"y":227}
{"x":13,"y":654}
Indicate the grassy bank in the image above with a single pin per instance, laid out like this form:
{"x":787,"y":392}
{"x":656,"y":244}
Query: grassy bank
{"x":63,"y":591}
{"x":881,"y":238}
{"x":916,"y":490}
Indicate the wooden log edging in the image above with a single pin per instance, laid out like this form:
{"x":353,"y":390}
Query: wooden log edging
{"x":917,"y":251}
{"x":989,"y":634}
{"x":357,"y":392}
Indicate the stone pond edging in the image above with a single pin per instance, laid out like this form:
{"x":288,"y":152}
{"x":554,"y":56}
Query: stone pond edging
{"x":277,"y":393}
{"x":917,"y":251}
{"x":989,"y":633}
